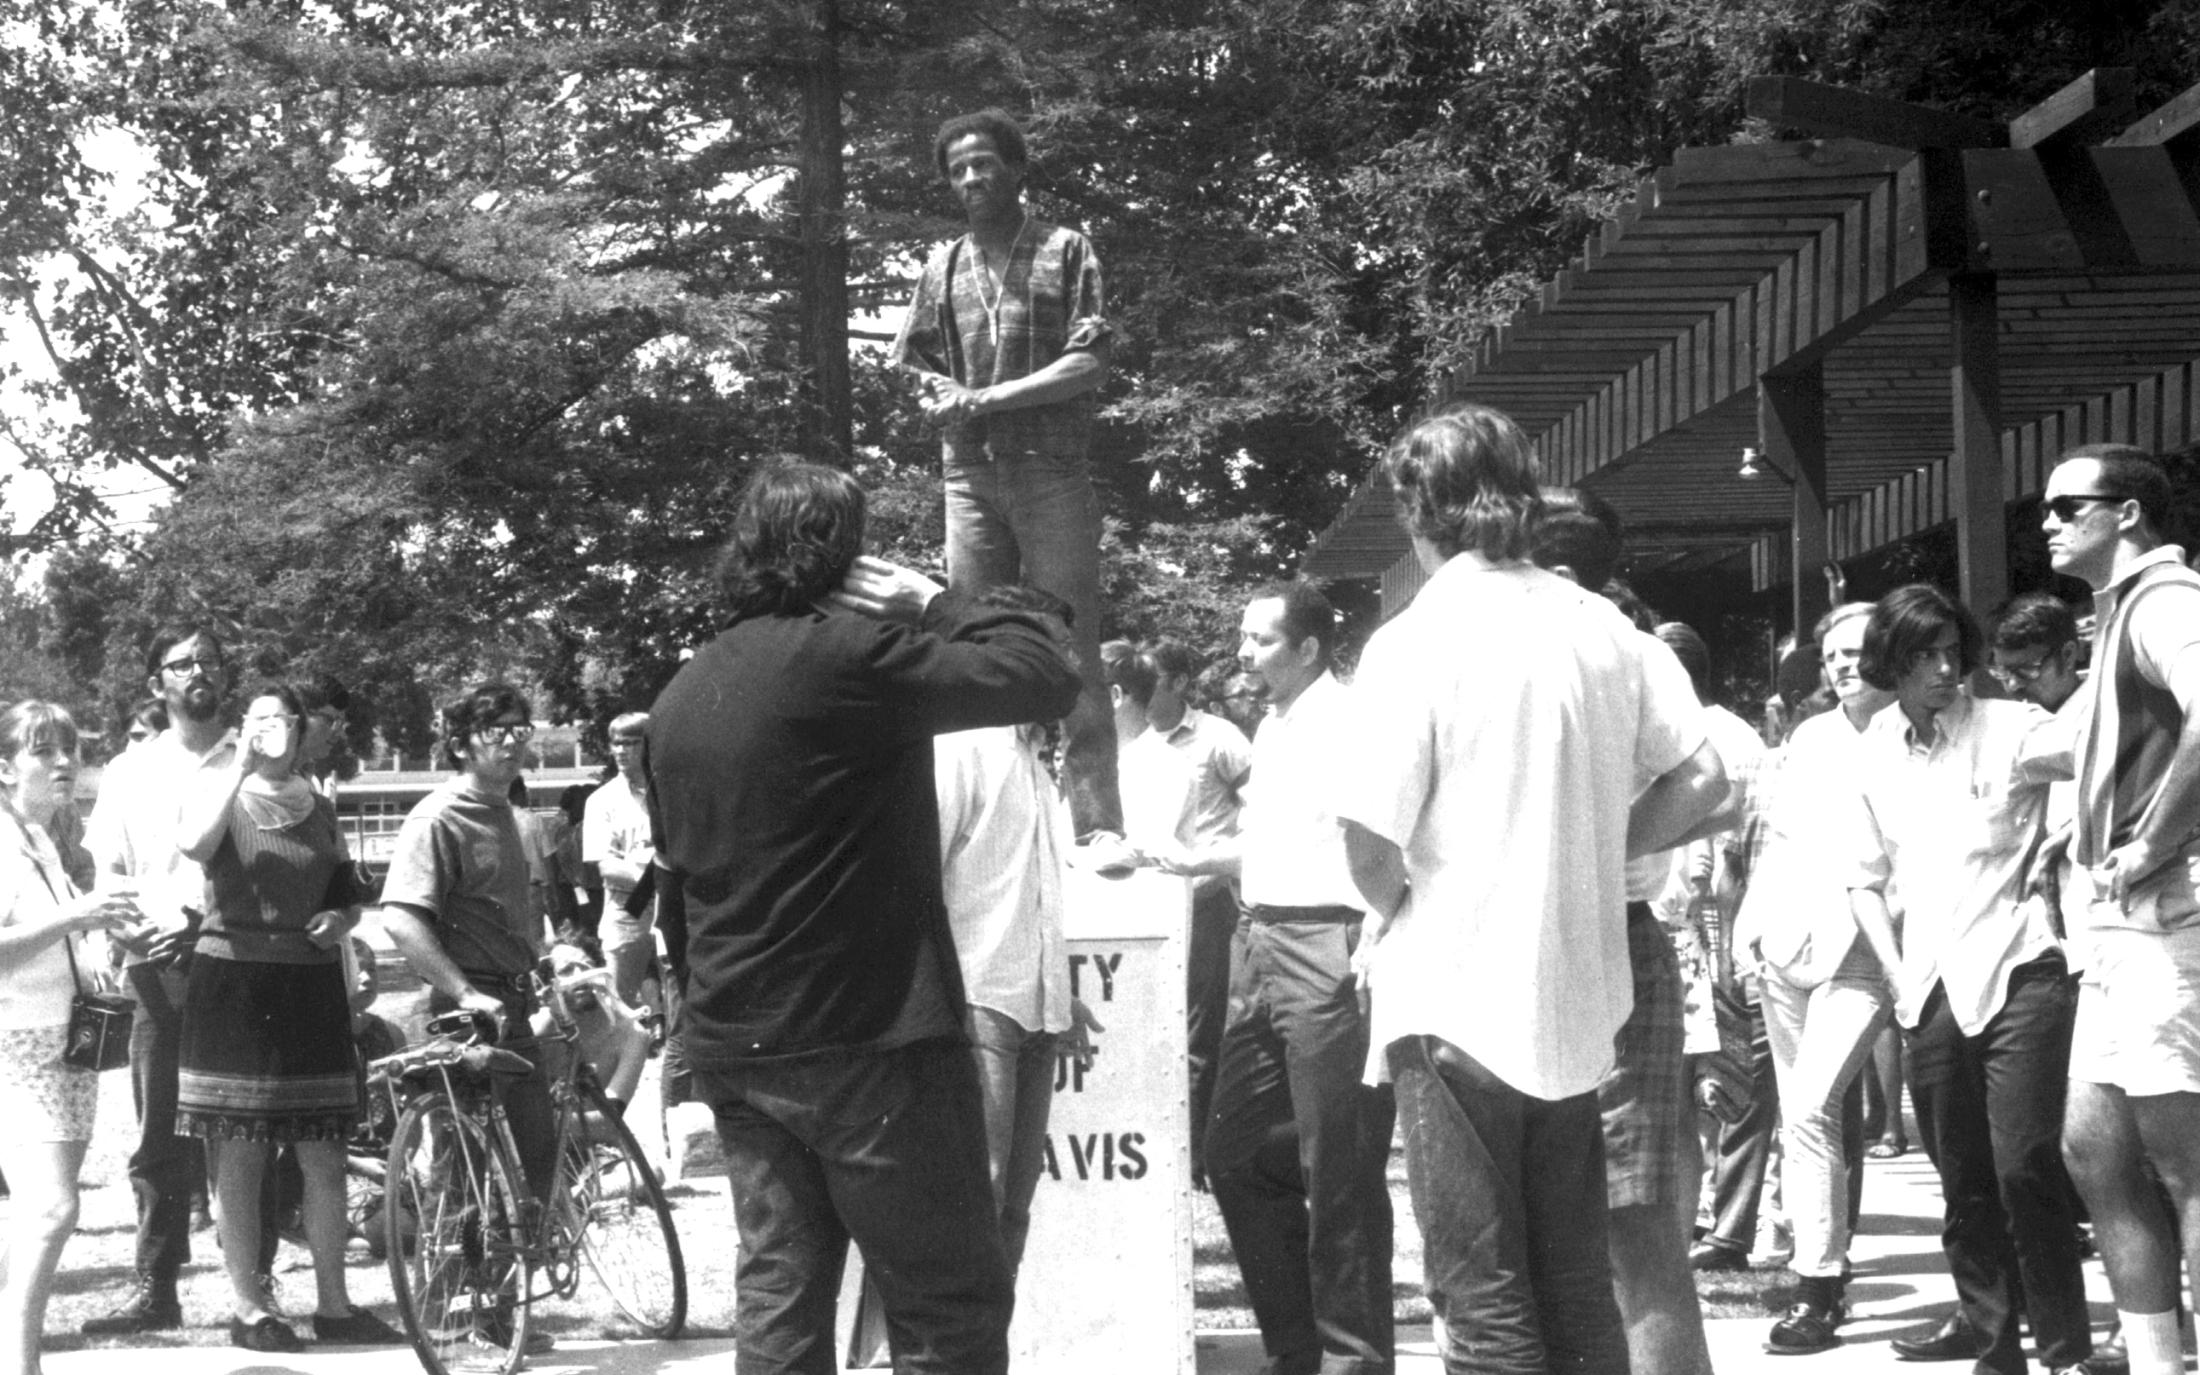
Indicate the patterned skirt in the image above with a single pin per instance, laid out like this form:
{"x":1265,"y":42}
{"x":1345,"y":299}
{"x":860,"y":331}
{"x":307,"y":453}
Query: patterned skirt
{"x":267,"y":1053}
{"x":42,"y":1099}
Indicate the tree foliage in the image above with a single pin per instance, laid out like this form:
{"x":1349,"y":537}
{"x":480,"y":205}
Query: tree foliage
{"x":455,"y":326}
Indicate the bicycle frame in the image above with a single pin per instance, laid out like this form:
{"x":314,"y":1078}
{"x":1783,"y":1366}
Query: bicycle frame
{"x":551,"y":1235}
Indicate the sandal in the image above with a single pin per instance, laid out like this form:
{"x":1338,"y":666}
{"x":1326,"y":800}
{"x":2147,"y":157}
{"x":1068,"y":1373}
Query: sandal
{"x":1888,"y":1150}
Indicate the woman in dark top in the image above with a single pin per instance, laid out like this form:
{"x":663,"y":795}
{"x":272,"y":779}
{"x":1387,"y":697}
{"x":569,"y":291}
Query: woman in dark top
{"x":267,"y":1053}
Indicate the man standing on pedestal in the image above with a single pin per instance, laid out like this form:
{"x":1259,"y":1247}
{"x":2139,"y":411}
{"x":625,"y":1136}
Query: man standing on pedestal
{"x":1006,"y":329}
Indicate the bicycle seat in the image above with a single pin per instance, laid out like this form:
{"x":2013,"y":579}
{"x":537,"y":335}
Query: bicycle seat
{"x":473,"y":1062}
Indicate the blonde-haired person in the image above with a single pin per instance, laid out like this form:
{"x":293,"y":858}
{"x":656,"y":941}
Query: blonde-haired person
{"x":47,"y":1106}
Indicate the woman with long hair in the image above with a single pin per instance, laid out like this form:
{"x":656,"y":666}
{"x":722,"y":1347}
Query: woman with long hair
{"x":46,"y":1106}
{"x":267,"y":1054}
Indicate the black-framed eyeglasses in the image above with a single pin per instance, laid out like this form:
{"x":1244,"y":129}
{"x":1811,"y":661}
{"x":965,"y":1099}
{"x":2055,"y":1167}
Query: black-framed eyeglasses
{"x":2066,"y":509}
{"x":2018,"y":673}
{"x":186,"y":667}
{"x":506,"y":735}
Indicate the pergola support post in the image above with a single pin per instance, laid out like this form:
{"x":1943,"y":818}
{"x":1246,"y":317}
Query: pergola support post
{"x":1974,"y":466}
{"x":1791,"y":429}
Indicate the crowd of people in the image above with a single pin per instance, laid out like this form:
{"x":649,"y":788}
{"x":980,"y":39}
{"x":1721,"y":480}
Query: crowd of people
{"x":211,"y":881}
{"x":1517,"y":891}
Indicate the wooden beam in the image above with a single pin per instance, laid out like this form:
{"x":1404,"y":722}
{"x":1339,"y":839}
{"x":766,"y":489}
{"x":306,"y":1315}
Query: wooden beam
{"x":1982,"y":536}
{"x":2169,"y":121}
{"x":1793,"y":103}
{"x":1791,"y":429}
{"x":2086,"y":111}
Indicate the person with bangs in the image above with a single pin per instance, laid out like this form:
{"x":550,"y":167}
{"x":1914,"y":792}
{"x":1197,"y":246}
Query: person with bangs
{"x":266,"y":1053}
{"x":1947,"y":807}
{"x":47,"y":1106}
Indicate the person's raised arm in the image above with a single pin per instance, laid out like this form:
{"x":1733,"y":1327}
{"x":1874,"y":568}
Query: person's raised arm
{"x":1676,"y":801}
{"x":964,"y":665}
{"x":203,"y":818}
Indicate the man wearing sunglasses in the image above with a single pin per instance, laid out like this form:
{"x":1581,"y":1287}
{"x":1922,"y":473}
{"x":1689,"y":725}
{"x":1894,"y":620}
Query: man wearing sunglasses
{"x":2134,"y":886}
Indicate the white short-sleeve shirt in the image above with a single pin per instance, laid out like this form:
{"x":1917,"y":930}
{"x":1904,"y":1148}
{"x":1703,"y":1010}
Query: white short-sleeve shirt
{"x":1505,"y":720}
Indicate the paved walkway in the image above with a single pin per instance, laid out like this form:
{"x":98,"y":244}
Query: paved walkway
{"x":1900,"y":1288}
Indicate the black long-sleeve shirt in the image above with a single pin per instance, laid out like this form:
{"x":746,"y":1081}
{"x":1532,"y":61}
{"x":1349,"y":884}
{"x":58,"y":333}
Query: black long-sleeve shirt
{"x":791,"y":772}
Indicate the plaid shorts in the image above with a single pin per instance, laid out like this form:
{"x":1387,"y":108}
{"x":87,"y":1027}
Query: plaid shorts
{"x":1649,"y":1124}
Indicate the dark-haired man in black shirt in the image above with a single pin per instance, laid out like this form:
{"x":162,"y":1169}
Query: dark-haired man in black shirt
{"x":790,"y":767}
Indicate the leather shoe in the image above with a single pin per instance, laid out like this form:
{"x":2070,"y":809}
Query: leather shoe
{"x":267,"y":1335}
{"x":356,"y":1328}
{"x":2110,"y":1357}
{"x":1953,"y":1340}
{"x":146,"y":1311}
{"x":1710,"y":1255}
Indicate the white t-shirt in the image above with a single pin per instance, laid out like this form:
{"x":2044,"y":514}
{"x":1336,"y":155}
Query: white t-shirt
{"x":132,"y":830}
{"x":1504,"y":720}
{"x":615,"y":826}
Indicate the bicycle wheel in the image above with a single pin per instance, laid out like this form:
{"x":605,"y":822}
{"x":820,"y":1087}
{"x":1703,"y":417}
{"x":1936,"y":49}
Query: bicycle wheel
{"x":455,"y":1234}
{"x":625,"y":1224}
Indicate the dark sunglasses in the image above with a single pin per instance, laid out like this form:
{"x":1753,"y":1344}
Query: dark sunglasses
{"x":2065,"y":509}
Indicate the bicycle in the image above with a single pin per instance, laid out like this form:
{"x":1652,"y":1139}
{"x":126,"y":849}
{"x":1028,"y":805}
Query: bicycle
{"x":470,"y":1251}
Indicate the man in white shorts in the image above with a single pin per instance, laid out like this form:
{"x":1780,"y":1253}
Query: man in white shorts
{"x":2135,"y":889}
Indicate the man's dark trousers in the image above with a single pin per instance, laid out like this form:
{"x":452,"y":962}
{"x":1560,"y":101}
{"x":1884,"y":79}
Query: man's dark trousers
{"x":1744,"y":1149}
{"x":1312,"y":1233}
{"x":164,"y":1166}
{"x":882,"y":1147}
{"x":1207,"y":966}
{"x":1990,"y":1110}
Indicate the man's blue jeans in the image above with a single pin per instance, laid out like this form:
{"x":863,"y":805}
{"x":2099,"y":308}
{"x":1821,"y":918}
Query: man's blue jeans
{"x":1016,"y":1080}
{"x":1035,"y":518}
{"x":1509,"y":1191}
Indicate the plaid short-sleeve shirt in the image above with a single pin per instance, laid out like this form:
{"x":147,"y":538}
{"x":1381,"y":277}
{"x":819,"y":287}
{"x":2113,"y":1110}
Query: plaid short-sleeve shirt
{"x":1049,"y":304}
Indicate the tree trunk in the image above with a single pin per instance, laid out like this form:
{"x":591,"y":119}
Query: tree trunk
{"x":828,"y":415}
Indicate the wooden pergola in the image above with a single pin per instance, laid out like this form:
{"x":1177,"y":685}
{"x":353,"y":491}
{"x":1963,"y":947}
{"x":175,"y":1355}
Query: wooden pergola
{"x":1907,"y":319}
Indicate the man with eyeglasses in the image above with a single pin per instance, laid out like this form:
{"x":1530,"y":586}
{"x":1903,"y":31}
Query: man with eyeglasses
{"x":458,"y":906}
{"x":132,"y":837}
{"x":1947,"y":808}
{"x":2035,"y":656}
{"x":2134,"y":886}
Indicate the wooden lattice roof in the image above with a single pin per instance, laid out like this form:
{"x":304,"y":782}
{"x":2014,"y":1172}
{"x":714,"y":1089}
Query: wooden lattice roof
{"x":1636,"y":370}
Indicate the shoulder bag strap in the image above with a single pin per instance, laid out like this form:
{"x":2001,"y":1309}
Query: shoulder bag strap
{"x":68,"y":938}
